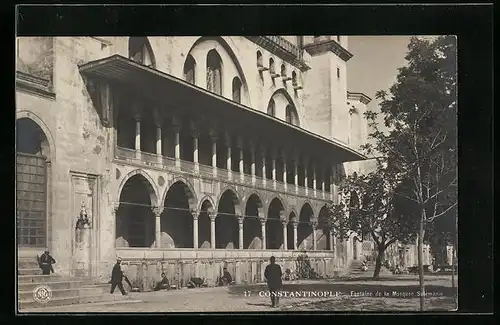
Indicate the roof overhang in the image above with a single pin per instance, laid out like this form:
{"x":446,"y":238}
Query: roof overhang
{"x":165,"y":89}
{"x":359,"y":97}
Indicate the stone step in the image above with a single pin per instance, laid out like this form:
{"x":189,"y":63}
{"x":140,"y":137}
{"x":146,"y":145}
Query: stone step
{"x":30,"y":271}
{"x":29,"y":303}
{"x":27,"y":263}
{"x":41,"y":278}
{"x":54,"y":285}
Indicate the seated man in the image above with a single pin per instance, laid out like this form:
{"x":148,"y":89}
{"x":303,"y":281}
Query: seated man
{"x":45,"y":262}
{"x":163,"y":284}
{"x":226,"y":278}
{"x":196,"y":282}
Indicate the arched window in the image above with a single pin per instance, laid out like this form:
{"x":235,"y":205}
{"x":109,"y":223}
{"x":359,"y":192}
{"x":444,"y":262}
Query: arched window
{"x":283,"y":70}
{"x":271,"y":109}
{"x":236,"y":90}
{"x":259,"y":59}
{"x":291,"y":115}
{"x":294,"y":78}
{"x":189,"y":68}
{"x":214,"y":72}
{"x":139,"y":50}
{"x":271,"y":66}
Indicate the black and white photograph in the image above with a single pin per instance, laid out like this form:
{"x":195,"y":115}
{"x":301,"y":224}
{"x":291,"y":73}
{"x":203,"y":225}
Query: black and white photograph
{"x":236,"y":173}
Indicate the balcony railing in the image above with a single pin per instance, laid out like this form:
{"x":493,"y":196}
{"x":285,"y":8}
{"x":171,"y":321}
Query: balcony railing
{"x":282,"y":48}
{"x":221,"y":174}
{"x":286,"y":46}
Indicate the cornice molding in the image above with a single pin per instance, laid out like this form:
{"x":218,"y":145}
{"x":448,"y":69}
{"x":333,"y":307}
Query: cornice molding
{"x":359,"y":97}
{"x":329,"y":45}
{"x":34,"y":85}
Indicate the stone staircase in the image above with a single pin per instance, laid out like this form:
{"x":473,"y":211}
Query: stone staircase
{"x":65,"y":290}
{"x":356,"y":272}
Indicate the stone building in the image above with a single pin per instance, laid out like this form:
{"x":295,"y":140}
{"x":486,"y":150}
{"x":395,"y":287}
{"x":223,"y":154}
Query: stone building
{"x":188,"y":154}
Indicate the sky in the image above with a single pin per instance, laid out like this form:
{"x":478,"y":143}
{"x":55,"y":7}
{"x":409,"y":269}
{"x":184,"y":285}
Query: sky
{"x":375,"y":62}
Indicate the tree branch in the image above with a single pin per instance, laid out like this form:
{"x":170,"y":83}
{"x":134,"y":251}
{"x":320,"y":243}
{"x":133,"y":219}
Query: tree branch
{"x":440,"y":214}
{"x":389,"y":242}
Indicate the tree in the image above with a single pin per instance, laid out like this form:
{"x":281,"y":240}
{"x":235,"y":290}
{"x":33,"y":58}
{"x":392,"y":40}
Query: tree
{"x":370,"y":207}
{"x":419,"y":146}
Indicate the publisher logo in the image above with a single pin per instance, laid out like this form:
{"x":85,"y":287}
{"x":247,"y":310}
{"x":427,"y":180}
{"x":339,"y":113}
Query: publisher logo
{"x":42,"y":294}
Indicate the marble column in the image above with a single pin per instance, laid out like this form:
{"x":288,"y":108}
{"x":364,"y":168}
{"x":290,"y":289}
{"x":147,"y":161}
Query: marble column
{"x":241,"y":162}
{"x":213,"y":137}
{"x":331,"y":240}
{"x":252,"y":167}
{"x":212,"y":216}
{"x":263,"y":232}
{"x":285,"y":181}
{"x":195,"y":214}
{"x":273,"y":162}
{"x":240,"y":232}
{"x":323,"y":183}
{"x":284,"y":222}
{"x":315,"y":184}
{"x":229,"y":155}
{"x":159,"y":146}
{"x":306,"y":179}
{"x":296,"y":174}
{"x":195,"y":134}
{"x":157,"y":211}
{"x":314,"y":225}
{"x":137,"y":118}
{"x":177,"y":143}
{"x":263,"y":154}
{"x":295,"y":237}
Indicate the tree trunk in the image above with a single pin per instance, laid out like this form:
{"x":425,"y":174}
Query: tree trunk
{"x":420,"y":260}
{"x":378,"y":262}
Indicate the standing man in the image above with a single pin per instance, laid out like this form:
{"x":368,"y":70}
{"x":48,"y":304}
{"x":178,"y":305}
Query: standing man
{"x":273,"y":277}
{"x":117,"y":277}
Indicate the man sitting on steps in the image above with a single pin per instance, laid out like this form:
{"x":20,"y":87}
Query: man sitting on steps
{"x":45,"y":262}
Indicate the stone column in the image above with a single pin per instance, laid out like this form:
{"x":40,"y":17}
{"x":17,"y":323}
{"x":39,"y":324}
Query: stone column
{"x":332,"y":185}
{"x":240,"y":232}
{"x":263,"y":232}
{"x":331,"y":239}
{"x":252,"y":153}
{"x":212,"y":216}
{"x":157,"y":212}
{"x":213,"y":137}
{"x":137,"y":118}
{"x":315,"y":184}
{"x":285,"y":181}
{"x":284,"y":222}
{"x":295,"y":237}
{"x":273,"y":162}
{"x":306,"y":180}
{"x":241,"y":162}
{"x":195,"y":214}
{"x":323,"y":183}
{"x":228,"y":157}
{"x":296,"y":174}
{"x":158,"y":122}
{"x":195,"y":135}
{"x":177,"y":143}
{"x":314,"y":225}
{"x":263,"y":153}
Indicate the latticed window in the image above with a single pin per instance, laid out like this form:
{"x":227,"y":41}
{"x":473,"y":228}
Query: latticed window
{"x":294,"y":78}
{"x":271,"y":110}
{"x":291,"y":115}
{"x":214,"y":72}
{"x":237,"y":90}
{"x":271,"y":66}
{"x":189,"y":69}
{"x":283,"y":70}
{"x":259,"y":59}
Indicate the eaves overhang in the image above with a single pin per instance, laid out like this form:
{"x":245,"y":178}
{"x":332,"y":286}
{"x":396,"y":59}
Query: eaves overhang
{"x":164,"y":88}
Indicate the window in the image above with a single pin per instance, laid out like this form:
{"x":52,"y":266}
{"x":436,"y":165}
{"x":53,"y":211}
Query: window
{"x":236,"y":90}
{"x":338,"y":38}
{"x":189,"y":68}
{"x":294,"y":78}
{"x":338,"y":73}
{"x":214,"y":72}
{"x":283,"y":70}
{"x":271,"y":66}
{"x":139,"y":50}
{"x":259,"y":59}
{"x":291,"y":115}
{"x":271,"y":110}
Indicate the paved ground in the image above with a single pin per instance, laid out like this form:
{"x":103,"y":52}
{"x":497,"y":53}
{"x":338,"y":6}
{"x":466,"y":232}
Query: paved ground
{"x":360,"y":294}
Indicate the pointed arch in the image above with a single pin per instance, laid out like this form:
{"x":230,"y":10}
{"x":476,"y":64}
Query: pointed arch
{"x":236,"y":86}
{"x":140,"y":50}
{"x":235,"y":197}
{"x":37,"y":120}
{"x":271,"y":108}
{"x":280,"y":199}
{"x":307,"y":205}
{"x":259,"y":202}
{"x":284,"y":102}
{"x":211,"y":204}
{"x":190,"y":69}
{"x":214,"y":72}
{"x":188,"y":191}
{"x":260,"y":62}
{"x":272,"y":67}
{"x":154,"y":194}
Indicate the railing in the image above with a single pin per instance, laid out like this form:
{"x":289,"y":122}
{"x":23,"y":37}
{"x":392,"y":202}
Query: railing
{"x":223,"y":175}
{"x":286,"y":45}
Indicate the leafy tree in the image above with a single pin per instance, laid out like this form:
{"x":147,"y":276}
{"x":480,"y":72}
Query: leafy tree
{"x":419,"y":147}
{"x":370,"y":207}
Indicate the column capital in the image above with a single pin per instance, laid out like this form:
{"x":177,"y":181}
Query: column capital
{"x":314,"y":223}
{"x":284,"y":153}
{"x":195,"y":214}
{"x":240,"y":220}
{"x":157,"y":211}
{"x":194,"y":126}
{"x":214,"y":135}
{"x":262,"y":150}
{"x":295,"y":223}
{"x":284,"y":222}
{"x":227,"y":138}
{"x":158,"y":116}
{"x":115,"y":207}
{"x":239,"y":142}
{"x":136,"y":109}
{"x":262,"y":221}
{"x":212,"y":215}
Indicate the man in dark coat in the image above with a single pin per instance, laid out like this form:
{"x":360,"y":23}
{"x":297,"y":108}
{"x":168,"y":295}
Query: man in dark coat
{"x":273,"y":277}
{"x":117,"y":277}
{"x":45,"y":262}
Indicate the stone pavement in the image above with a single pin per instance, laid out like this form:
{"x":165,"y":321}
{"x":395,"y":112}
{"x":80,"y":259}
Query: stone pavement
{"x":335,"y":295}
